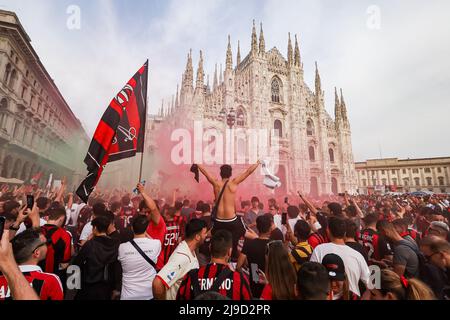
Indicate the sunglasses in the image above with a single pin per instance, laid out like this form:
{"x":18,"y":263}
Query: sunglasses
{"x":41,"y":245}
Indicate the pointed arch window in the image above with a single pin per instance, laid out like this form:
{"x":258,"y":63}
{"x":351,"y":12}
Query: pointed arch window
{"x":240,"y":117}
{"x":278,"y":127}
{"x":309,"y":128}
{"x":7,"y":73}
{"x":276,"y":90}
{"x":331,"y":153}
{"x":312,"y":155}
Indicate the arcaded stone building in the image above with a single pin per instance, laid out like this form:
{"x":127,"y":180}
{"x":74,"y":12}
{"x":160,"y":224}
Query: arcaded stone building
{"x":38,"y":130}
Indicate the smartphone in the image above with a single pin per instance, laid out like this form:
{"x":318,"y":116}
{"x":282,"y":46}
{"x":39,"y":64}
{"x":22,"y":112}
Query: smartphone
{"x":30,"y":201}
{"x":284,"y":218}
{"x":2,"y":225}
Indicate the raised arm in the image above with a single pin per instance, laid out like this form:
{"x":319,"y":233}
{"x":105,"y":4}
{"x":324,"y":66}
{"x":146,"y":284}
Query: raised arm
{"x":207,"y":175}
{"x":308,"y":204}
{"x":155,"y":215}
{"x":246,"y":173}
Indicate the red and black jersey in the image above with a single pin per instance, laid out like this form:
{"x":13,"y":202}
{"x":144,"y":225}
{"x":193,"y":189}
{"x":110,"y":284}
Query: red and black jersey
{"x":174,"y":235}
{"x":317,"y":238}
{"x":47,"y":285}
{"x":83,"y":217}
{"x":123,"y":220}
{"x":375,"y":245}
{"x":59,"y":247}
{"x":412,"y":233}
{"x":235,"y":286}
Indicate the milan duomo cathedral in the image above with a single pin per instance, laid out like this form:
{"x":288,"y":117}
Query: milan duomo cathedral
{"x":265,"y":90}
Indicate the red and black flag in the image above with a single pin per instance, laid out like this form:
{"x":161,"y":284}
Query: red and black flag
{"x":120,"y":133}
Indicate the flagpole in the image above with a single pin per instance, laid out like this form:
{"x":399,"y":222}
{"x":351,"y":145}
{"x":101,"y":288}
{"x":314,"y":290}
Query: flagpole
{"x":145,"y":124}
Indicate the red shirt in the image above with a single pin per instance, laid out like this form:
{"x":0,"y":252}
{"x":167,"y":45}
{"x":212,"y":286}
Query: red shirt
{"x":316,"y":238}
{"x":267,"y":292}
{"x":235,"y":286}
{"x":59,"y":250}
{"x":47,"y":285}
{"x":158,"y":231}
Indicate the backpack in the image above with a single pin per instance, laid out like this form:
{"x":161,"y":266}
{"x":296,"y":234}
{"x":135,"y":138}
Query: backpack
{"x":421,"y":258}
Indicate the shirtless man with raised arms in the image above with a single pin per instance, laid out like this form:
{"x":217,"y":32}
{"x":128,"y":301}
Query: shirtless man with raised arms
{"x":226,"y":214}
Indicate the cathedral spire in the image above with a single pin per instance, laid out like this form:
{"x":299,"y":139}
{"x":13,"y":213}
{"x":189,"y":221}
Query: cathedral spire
{"x":238,"y":57}
{"x":296,"y":53}
{"x":318,"y":82}
{"x":200,"y":72}
{"x":161,"y":111}
{"x":215,"y":78}
{"x":189,"y":72}
{"x":177,"y":102}
{"x":220,"y":75}
{"x":254,"y":40}
{"x":289,"y":50}
{"x":207,"y":83}
{"x":172,"y":106}
{"x":229,"y":61}
{"x":343,"y":107}
{"x":262,"y":43}
{"x":337,"y":105}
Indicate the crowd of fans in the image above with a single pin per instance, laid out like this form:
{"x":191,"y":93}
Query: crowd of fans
{"x":139,"y":247}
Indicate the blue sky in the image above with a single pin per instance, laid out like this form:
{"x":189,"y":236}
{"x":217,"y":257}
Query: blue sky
{"x":396,"y":79}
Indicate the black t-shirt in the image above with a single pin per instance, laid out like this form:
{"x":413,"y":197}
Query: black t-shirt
{"x":255,"y":250}
{"x":276,"y":235}
{"x":237,"y":229}
{"x":204,"y":248}
{"x":358,"y":247}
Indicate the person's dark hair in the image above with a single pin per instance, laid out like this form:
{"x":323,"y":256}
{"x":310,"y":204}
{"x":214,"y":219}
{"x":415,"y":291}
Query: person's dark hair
{"x":370,"y":219}
{"x":170,"y":211}
{"x":101,"y":224}
{"x":402,"y":223}
{"x":221,"y":243}
{"x":261,"y":206}
{"x":263,"y":223}
{"x":351,"y":229}
{"x":24,"y":244}
{"x":313,"y":282}
{"x":337,"y":227}
{"x":8,"y":196}
{"x":116,"y":206}
{"x":302,"y":230}
{"x":179,"y":205}
{"x":293,"y":212}
{"x":9,"y":216}
{"x":254,"y":199}
{"x":225,"y":171}
{"x":199,"y":205}
{"x":56,"y":213}
{"x":335,"y":208}
{"x":109,"y":215}
{"x":139,"y":224}
{"x":98,"y":209}
{"x":125,"y":201}
{"x":186,"y":203}
{"x":280,"y":272}
{"x":383,"y":225}
{"x":42,"y":202}
{"x":9,"y":206}
{"x":351,"y":211}
{"x":211,"y":295}
{"x":194,"y":227}
{"x":244,"y":204}
{"x":205,"y":208}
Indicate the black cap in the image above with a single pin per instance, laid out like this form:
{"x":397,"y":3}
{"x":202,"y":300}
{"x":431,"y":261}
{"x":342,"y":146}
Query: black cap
{"x":335,"y":266}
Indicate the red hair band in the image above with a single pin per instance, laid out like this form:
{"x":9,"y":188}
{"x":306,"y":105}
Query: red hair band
{"x":404,"y":282}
